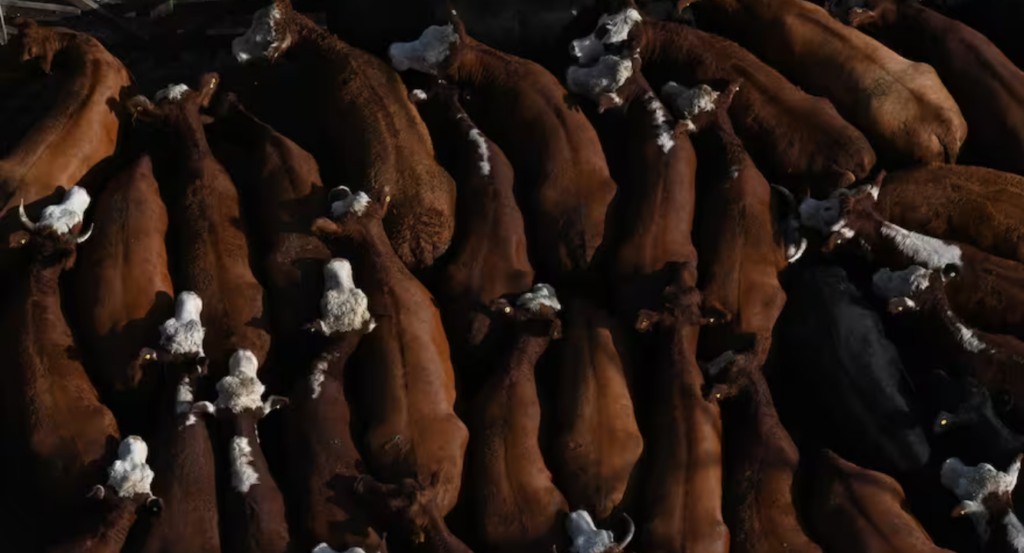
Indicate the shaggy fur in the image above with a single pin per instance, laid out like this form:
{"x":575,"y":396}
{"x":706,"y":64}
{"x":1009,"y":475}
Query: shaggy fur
{"x":688,"y":102}
{"x":260,"y":41}
{"x":172,"y":93}
{"x":130,"y":475}
{"x":586,"y":537}
{"x":601,"y":80}
{"x":243,"y":476}
{"x":356,"y":203}
{"x":63,"y":217}
{"x":241,"y":390}
{"x":589,"y":48}
{"x":889,"y":284}
{"x":184,"y":333}
{"x":425,"y":53}
{"x":541,"y":294}
{"x":343,"y":307}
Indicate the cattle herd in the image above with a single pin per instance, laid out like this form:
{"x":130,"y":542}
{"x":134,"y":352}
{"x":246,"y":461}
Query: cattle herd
{"x":753,"y":282}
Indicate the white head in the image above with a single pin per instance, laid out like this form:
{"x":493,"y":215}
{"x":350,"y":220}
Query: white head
{"x":188,"y":306}
{"x":343,"y":307}
{"x":587,"y":538}
{"x":261,"y":40}
{"x":541,"y":294}
{"x":611,"y":29}
{"x":63,"y":217}
{"x":184,"y":334}
{"x":973,"y":484}
{"x":343,"y":201}
{"x":685,"y":102}
{"x":172,"y":93}
{"x":241,"y":389}
{"x":890,"y":285}
{"x":130,"y":475}
{"x":601,"y":80}
{"x":324,"y":548}
{"x":416,"y":95}
{"x":426,"y":53}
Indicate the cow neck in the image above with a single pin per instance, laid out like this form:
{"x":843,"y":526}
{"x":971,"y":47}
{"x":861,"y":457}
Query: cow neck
{"x":117,"y":522}
{"x":337,"y":352}
{"x":682,"y":343}
{"x":666,"y":42}
{"x":438,"y":538}
{"x":309,"y":40}
{"x":44,"y":300}
{"x":243,"y":129}
{"x":187,"y":134}
{"x":532,"y":340}
{"x":484,"y":67}
{"x":371,"y":252}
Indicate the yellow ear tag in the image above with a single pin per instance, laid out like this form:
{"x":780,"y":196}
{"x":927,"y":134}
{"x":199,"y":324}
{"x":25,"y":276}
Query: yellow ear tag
{"x":508,"y":310}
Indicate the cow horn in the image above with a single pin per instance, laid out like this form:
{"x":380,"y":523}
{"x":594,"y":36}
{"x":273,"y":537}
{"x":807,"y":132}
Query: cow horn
{"x":24,"y":218}
{"x":629,"y":535}
{"x":785,"y":194}
{"x":83,"y":238}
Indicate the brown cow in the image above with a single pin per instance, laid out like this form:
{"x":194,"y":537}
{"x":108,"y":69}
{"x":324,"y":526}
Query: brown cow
{"x":253,"y":508}
{"x":901,"y":106}
{"x":209,"y":240}
{"x":488,"y":258}
{"x":358,"y":123}
{"x":407,"y":389}
{"x":986,"y":85}
{"x":54,"y":427}
{"x":322,"y":458}
{"x":183,"y":453}
{"x":123,"y":287}
{"x":119,"y":503}
{"x":279,"y":184}
{"x":683,"y":476}
{"x":562,"y":179}
{"x":986,"y":496}
{"x":852,"y":510}
{"x":795,"y":138}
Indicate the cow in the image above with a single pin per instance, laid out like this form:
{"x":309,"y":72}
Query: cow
{"x":683,"y":474}
{"x":55,"y":431}
{"x":124,"y":288}
{"x":323,"y":461}
{"x":280,"y":187}
{"x":986,"y":498}
{"x":853,"y":509}
{"x":900,"y":106}
{"x":413,"y":442}
{"x":208,"y":243}
{"x":986,"y":85}
{"x":985,"y":290}
{"x":79,"y":132}
{"x":119,"y":503}
{"x":562,"y":180}
{"x":359,"y":124}
{"x":254,"y":515}
{"x":828,"y":337}
{"x":796,"y":139}
{"x":514,"y":503}
{"x":996,"y":19}
{"x":488,"y":258}
{"x":183,"y":452}
{"x":972,"y":429}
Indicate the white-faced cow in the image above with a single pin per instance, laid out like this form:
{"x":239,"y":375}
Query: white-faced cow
{"x":986,"y":497}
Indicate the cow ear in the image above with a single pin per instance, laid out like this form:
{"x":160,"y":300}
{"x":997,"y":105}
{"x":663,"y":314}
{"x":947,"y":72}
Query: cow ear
{"x":207,"y":88}
{"x":646,"y":320}
{"x":861,"y":17}
{"x":19,"y":238}
{"x":155,"y":506}
{"x":325,"y":228}
{"x":97,"y":492}
{"x":273,"y":403}
{"x":141,"y":108}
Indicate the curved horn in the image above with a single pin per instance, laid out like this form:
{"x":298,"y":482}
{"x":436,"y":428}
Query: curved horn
{"x":629,"y":535}
{"x":83,"y":238}
{"x":785,"y":194}
{"x":24,"y":218}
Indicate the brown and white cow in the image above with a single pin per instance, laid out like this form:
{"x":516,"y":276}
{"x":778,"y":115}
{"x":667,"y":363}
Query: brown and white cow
{"x":562,"y":179}
{"x":414,"y":443}
{"x":208,"y":243}
{"x":123,"y":287}
{"x":183,"y":452}
{"x":57,"y":435}
{"x":986,"y":85}
{"x":986,"y":497}
{"x":322,"y":458}
{"x":851,"y":509}
{"x":352,"y":112}
{"x":901,"y":106}
{"x":254,"y":514}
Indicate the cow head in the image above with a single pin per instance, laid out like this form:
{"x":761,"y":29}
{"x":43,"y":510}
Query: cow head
{"x":606,"y":60}
{"x":700,"y":106}
{"x":343,"y":306}
{"x":903,"y":289}
{"x":535,"y":311}
{"x":985,"y":494}
{"x":843,"y":214}
{"x":270,"y":35}
{"x":681,"y":297}
{"x":175,"y":100}
{"x":587,"y":538}
{"x":350,"y":211}
{"x":240,"y":393}
{"x":40,"y":43}
{"x":407,"y":507}
{"x":54,"y":239}
{"x":973,"y":407}
{"x":864,"y":14}
{"x":129,"y":480}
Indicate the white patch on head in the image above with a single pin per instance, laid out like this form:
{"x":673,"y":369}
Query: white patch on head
{"x":603,"y":79}
{"x":824,"y":216}
{"x":616,"y":29}
{"x":324,"y":548}
{"x":130,"y":475}
{"x":480,"y":140}
{"x":688,"y":102}
{"x":418,"y":95}
{"x":63,"y":217}
{"x":243,"y":476}
{"x":660,"y":121}
{"x":585,"y":536}
{"x":356,"y":203}
{"x":260,"y":40}
{"x":241,"y":390}
{"x":889,"y":284}
{"x":172,"y":93}
{"x":343,"y":307}
{"x":972,"y":484}
{"x":541,"y":294}
{"x":929,"y":252}
{"x":966,"y":336}
{"x":184,"y":333}
{"x":425,"y":53}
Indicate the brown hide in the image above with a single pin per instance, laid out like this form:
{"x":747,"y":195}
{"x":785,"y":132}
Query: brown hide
{"x":208,"y":241}
{"x":798,"y":140}
{"x":562,"y":179}
{"x":117,"y":515}
{"x":514,"y":503}
{"x":123,"y":286}
{"x":322,"y":459}
{"x":596,"y":441}
{"x":683,"y":472}
{"x":355,"y":117}
{"x":852,"y":510}
{"x":901,"y":106}
{"x":986,"y":85}
{"x":280,"y":185}
{"x":407,"y":389}
{"x":978,"y":206}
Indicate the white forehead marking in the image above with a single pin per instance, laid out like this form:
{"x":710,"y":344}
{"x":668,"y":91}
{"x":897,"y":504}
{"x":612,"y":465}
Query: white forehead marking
{"x":63,"y":217}
{"x":324,"y":548}
{"x":541,"y":294}
{"x":480,"y":140}
{"x":172,"y":93}
{"x":418,"y":94}
{"x":241,"y":390}
{"x":589,"y":48}
{"x":660,"y":121}
{"x":130,"y":475}
{"x":261,"y":39}
{"x":184,"y":333}
{"x":889,"y":284}
{"x":356,"y":203}
{"x":604,"y":78}
{"x":243,"y":476}
{"x":343,"y":307}
{"x":929,"y":252}
{"x":688,"y":102}
{"x":824,"y":216}
{"x":425,"y":53}
{"x":585,"y":536}
{"x":972,"y":484}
